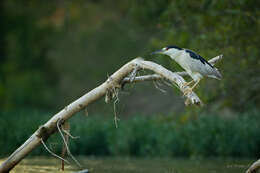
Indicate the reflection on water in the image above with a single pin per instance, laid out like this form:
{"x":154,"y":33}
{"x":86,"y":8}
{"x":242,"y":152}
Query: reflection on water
{"x":135,"y":165}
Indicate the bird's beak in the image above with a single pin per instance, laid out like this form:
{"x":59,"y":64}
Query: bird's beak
{"x":157,"y":52}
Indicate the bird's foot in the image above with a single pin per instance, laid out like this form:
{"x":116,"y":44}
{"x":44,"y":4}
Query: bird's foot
{"x":185,"y":84}
{"x":188,"y":83}
{"x":187,"y":91}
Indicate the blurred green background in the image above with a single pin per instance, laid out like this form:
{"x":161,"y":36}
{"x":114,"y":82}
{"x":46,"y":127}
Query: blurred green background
{"x":52,"y":52}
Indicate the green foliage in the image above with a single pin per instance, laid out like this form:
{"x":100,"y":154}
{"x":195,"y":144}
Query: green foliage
{"x":212,"y":28}
{"x":59,"y":48}
{"x":24,"y":67}
{"x":206,"y":135}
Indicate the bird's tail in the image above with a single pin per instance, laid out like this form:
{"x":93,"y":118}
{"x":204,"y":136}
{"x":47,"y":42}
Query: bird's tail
{"x":216,"y":74}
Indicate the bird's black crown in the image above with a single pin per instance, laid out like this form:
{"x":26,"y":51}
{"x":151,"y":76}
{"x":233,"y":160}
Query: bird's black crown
{"x":176,"y":47}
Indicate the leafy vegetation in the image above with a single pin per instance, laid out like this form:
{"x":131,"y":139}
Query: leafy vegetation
{"x":206,"y":135}
{"x":213,"y":27}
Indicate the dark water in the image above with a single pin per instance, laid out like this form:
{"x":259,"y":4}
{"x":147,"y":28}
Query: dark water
{"x":136,"y":165}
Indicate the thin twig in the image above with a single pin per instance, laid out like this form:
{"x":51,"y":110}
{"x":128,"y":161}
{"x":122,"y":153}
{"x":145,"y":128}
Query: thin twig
{"x":67,"y":133}
{"x":142,"y":78}
{"x":133,"y":74}
{"x":66,"y":145}
{"x":52,"y":153}
{"x":115,"y":102}
{"x":168,"y":83}
{"x":157,"y":87}
{"x":86,"y":111}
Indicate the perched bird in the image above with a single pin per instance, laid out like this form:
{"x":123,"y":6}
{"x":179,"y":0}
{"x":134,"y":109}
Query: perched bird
{"x":196,"y":66}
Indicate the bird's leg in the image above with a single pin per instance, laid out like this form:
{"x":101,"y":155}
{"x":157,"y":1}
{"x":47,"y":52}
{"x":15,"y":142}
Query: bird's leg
{"x":185,"y":85}
{"x":188,"y":83}
{"x":189,"y":90}
{"x":195,"y":84}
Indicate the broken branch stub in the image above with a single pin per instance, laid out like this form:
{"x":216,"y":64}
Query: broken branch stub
{"x":254,"y":167}
{"x":115,"y":81}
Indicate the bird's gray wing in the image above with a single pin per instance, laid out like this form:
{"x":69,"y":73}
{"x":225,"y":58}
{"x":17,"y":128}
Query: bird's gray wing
{"x":207,"y":69}
{"x":198,"y":57}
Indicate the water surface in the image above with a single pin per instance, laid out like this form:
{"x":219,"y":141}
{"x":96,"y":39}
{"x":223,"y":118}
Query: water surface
{"x":135,"y":165}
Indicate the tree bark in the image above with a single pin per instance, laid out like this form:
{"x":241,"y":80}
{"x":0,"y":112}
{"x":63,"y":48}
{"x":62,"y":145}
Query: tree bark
{"x":254,"y":167}
{"x":113,"y":82}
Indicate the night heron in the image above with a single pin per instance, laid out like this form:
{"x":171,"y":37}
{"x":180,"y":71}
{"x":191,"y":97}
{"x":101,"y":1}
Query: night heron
{"x":196,"y":66}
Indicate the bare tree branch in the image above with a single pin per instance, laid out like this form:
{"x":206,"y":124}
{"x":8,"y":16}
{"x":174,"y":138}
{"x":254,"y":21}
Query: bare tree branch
{"x":66,"y":126}
{"x":154,"y":77}
{"x":216,"y":59}
{"x":52,"y":153}
{"x":254,"y":167}
{"x":67,"y":133}
{"x":113,"y":82}
{"x":156,"y":85}
{"x":66,"y":145}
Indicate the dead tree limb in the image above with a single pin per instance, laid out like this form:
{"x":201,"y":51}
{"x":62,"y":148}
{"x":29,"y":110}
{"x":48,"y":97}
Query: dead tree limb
{"x":154,"y":77}
{"x":254,"y":167}
{"x":113,"y":82}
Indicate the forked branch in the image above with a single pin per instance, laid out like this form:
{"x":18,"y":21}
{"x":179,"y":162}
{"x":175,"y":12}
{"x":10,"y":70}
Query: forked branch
{"x":112,"y":84}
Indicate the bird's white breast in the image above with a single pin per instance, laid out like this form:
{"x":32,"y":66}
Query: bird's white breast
{"x":182,"y":59}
